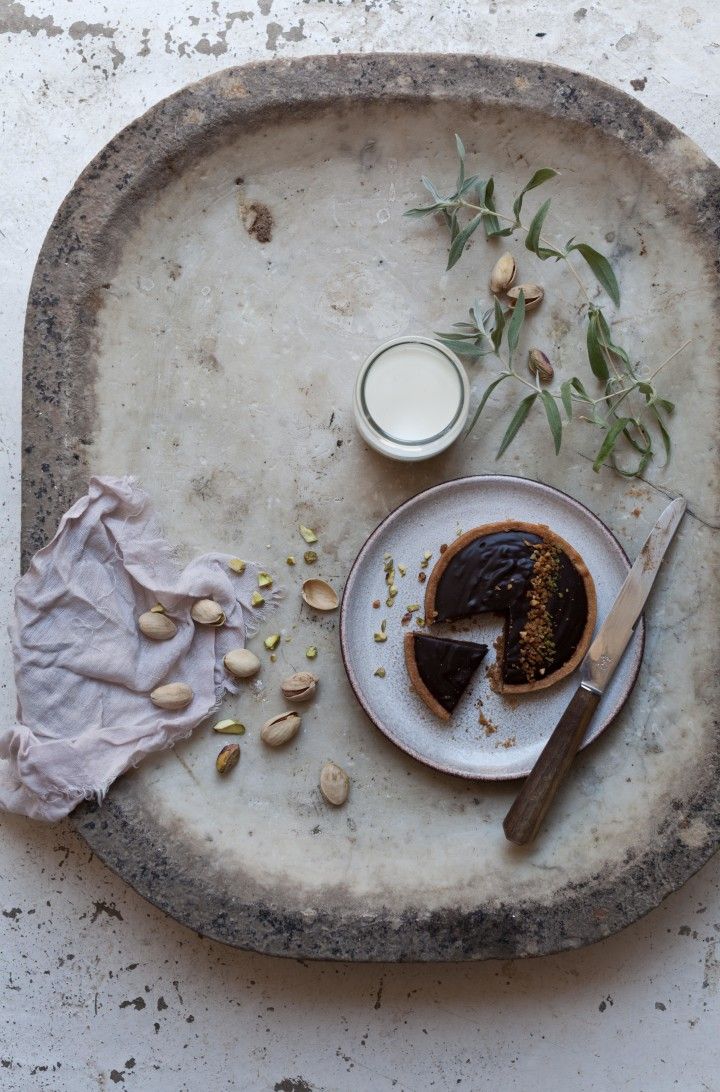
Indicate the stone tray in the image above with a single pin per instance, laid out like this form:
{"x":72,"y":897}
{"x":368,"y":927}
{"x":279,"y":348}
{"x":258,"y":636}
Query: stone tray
{"x":165,"y":339}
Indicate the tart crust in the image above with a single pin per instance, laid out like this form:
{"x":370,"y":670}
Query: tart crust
{"x":544,"y":532}
{"x":417,"y":684}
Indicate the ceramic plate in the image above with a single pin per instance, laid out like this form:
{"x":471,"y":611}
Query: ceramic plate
{"x":518,"y":727}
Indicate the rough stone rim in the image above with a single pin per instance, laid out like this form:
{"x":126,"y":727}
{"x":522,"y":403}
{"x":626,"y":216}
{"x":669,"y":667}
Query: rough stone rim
{"x":65,"y":295}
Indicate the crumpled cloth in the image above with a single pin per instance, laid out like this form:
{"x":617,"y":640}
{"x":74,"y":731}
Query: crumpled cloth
{"x":84,"y":671}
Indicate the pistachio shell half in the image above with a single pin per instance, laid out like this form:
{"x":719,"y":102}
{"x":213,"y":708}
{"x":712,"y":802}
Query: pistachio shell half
{"x":206,"y":612}
{"x":319,"y":595}
{"x":533,"y":295}
{"x":172,"y":696}
{"x":503,"y":274}
{"x":300,"y":686}
{"x":280,"y":729}
{"x":242,"y":663}
{"x":156,"y":626}
{"x":334,"y":784}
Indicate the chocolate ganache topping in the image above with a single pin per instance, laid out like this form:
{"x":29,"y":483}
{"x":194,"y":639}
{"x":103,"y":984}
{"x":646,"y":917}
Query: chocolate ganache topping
{"x":533,"y":583}
{"x":446,"y":665}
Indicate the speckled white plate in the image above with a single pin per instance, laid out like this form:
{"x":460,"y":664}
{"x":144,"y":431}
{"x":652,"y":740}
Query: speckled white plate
{"x":523,"y":722}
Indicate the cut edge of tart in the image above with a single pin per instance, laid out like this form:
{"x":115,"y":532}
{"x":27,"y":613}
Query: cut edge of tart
{"x":475,"y":653}
{"x":549,"y":537}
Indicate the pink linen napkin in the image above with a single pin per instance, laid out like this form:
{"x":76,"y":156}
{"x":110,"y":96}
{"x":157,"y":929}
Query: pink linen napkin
{"x":84,"y":671}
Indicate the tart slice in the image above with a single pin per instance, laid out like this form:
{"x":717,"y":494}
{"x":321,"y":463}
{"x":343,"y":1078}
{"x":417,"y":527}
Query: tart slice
{"x":441,"y":668}
{"x":537,"y":581}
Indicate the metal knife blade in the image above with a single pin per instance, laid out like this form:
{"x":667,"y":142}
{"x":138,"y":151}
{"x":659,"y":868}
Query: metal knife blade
{"x":612,"y":639}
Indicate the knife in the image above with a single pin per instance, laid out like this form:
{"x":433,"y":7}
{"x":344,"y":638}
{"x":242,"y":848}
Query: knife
{"x":522,"y":822}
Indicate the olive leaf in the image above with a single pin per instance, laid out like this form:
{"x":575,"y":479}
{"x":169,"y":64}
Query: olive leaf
{"x":486,"y":197}
{"x":543,"y":175}
{"x":611,"y":438}
{"x":488,"y":391}
{"x":499,"y":327}
{"x":553,"y":416}
{"x":458,"y":243}
{"x":515,"y":324}
{"x":566,"y":395}
{"x":598,"y":363}
{"x":461,"y":158}
{"x":601,"y":268}
{"x":517,"y":422}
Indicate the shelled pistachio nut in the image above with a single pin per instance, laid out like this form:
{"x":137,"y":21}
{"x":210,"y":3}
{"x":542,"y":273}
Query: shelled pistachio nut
{"x":228,"y":757}
{"x":280,"y":729}
{"x":156,"y":626}
{"x":172,"y":696}
{"x":300,"y":686}
{"x":533,"y":295}
{"x":503,"y":274}
{"x":242,"y":663}
{"x":206,"y":612}
{"x":334,"y":784}
{"x":319,"y":595}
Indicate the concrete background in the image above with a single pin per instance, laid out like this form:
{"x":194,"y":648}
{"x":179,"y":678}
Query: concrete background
{"x":100,"y":990}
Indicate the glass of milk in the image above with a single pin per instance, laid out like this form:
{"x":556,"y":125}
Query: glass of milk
{"x":412,"y":398}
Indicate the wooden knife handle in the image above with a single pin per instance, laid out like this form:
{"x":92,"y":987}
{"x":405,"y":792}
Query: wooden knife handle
{"x":537,"y":794}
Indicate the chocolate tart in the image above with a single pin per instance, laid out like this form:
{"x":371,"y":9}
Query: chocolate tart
{"x":537,"y":581}
{"x":441,"y":668}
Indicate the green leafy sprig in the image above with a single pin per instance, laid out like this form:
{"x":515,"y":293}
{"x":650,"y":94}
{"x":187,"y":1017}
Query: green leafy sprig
{"x":630,"y":413}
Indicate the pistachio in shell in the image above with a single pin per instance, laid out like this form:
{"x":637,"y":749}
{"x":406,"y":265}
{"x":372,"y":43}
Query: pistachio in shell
{"x":540,"y":366}
{"x":503,"y":274}
{"x":319,"y":595}
{"x":280,"y":729}
{"x":172,"y":696}
{"x":300,"y":686}
{"x":206,"y":612}
{"x":334,"y":784}
{"x":533,"y":293}
{"x":156,"y":626}
{"x":242,"y":663}
{"x":228,"y":757}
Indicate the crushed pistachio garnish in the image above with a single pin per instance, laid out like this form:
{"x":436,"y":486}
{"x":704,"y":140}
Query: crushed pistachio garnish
{"x":387,"y":557}
{"x":273,"y":657}
{"x":236,"y":565}
{"x":420,"y":621}
{"x":402,"y":569}
{"x":308,"y":534}
{"x":311,"y":652}
{"x":379,"y":637}
{"x":393,"y":590}
{"x":537,"y":643}
{"x":389,"y":602}
{"x":272,"y":641}
{"x":229,"y":728}
{"x":380,"y":673}
{"x":257,"y":599}
{"x":425,"y":559}
{"x":412,"y":607}
{"x":158,"y":609}
{"x":290,"y":560}
{"x":310,"y":557}
{"x":264,"y":580}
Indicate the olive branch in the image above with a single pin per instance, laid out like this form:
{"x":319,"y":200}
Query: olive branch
{"x":630,"y":412}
